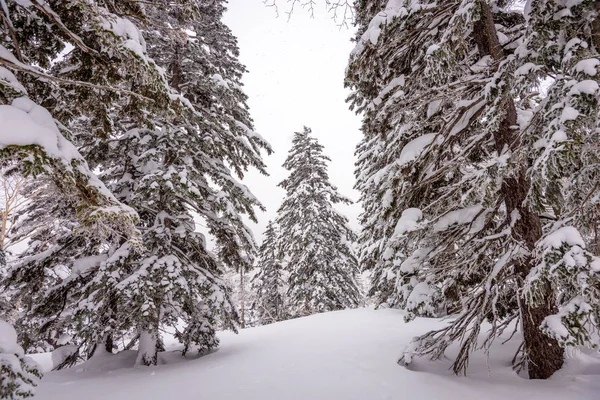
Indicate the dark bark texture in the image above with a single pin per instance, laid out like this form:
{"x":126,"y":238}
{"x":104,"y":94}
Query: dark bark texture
{"x":543,"y":354}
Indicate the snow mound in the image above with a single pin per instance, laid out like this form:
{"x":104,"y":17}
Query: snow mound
{"x":345,"y":355}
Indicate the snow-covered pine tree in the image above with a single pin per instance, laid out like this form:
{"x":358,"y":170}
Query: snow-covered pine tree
{"x":561,"y":46}
{"x":18,"y":374}
{"x":106,"y":73}
{"x":106,"y":63}
{"x":452,"y":210}
{"x":146,"y":159}
{"x":181,"y":167}
{"x":269,"y":284}
{"x":315,"y":239}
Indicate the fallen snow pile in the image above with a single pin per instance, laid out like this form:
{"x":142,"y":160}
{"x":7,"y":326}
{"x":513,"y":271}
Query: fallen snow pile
{"x":333,"y":356}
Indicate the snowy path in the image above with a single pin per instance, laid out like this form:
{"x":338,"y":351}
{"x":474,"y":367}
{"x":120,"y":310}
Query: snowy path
{"x":344,"y":355}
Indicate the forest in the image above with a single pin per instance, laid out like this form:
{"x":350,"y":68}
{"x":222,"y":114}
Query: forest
{"x":128,"y":237}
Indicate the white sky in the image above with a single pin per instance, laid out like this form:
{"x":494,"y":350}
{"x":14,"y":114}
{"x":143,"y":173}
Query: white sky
{"x":296,"y":78}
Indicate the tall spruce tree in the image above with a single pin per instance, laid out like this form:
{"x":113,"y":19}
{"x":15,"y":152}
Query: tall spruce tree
{"x":315,"y":239}
{"x":269,"y":284}
{"x":450,"y":174}
{"x":81,"y":216}
{"x":166,"y":165}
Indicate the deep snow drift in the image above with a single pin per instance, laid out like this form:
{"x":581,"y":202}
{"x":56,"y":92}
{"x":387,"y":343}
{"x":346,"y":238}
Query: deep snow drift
{"x":333,"y":356}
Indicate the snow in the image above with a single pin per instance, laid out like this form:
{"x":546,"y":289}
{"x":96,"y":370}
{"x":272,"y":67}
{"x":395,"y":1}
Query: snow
{"x":25,"y":123}
{"x":133,"y":39}
{"x":432,"y":49}
{"x":218,"y":79}
{"x":413,"y":149}
{"x":472,"y":107}
{"x":569,"y":114}
{"x":460,"y":217}
{"x":10,"y":80}
{"x":60,"y":354}
{"x":433,"y":108}
{"x":588,"y":66}
{"x":482,"y":64}
{"x":393,"y":9}
{"x":409,"y":221}
{"x":345,"y":355}
{"x":587,"y":87}
{"x":82,"y":265}
{"x":8,"y":338}
{"x":568,"y":235}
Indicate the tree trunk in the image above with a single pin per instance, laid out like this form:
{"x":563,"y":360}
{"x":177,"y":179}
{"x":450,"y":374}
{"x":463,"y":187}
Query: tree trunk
{"x":242,"y":299}
{"x":147,"y":354}
{"x":544,"y":354}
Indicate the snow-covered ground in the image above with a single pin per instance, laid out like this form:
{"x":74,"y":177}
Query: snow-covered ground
{"x":333,"y":356}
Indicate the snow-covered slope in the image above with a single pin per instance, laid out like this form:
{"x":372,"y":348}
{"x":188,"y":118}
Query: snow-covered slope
{"x":333,"y":356}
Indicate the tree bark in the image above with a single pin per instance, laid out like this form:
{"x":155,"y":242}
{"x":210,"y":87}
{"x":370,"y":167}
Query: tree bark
{"x":242,"y":299}
{"x":544,"y":354}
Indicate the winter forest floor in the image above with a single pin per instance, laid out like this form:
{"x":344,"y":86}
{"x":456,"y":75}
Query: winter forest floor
{"x":340,"y":355}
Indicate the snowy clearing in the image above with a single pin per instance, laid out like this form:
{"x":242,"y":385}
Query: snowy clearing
{"x":339,"y":355}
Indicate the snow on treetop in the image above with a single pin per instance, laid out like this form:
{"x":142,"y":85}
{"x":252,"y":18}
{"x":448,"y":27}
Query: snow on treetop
{"x":394,"y":8}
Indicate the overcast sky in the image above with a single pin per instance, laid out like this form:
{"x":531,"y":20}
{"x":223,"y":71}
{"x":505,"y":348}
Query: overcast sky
{"x":296,"y":78}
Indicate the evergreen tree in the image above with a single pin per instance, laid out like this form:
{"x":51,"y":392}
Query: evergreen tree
{"x":315,"y":239}
{"x":110,"y":62}
{"x":166,"y":161}
{"x":561,"y":42}
{"x":447,"y":171}
{"x":269,"y":284}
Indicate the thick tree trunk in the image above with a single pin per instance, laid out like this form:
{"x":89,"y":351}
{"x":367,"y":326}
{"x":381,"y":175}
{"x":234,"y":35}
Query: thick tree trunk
{"x":544,"y":354}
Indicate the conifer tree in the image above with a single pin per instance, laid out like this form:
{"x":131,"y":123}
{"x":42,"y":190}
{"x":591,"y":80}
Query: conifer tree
{"x":316,"y":242}
{"x":165,"y":165}
{"x":106,"y":62}
{"x":269,"y":284}
{"x":454,"y":178}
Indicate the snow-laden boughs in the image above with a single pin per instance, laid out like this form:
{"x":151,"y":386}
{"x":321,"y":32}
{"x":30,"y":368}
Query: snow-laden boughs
{"x":561,"y":46}
{"x":452,"y":174}
{"x":575,"y":273}
{"x":426,"y":151}
{"x":172,"y":159}
{"x":315,"y":240}
{"x":96,"y":75}
{"x":19,"y":375}
{"x":269,"y":284}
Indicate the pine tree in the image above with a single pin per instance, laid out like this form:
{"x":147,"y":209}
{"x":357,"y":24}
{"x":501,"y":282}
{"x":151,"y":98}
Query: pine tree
{"x":316,"y":242}
{"x":164,"y":160}
{"x":561,"y":42}
{"x":106,"y":62}
{"x":449,"y":173}
{"x":269,"y":284}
